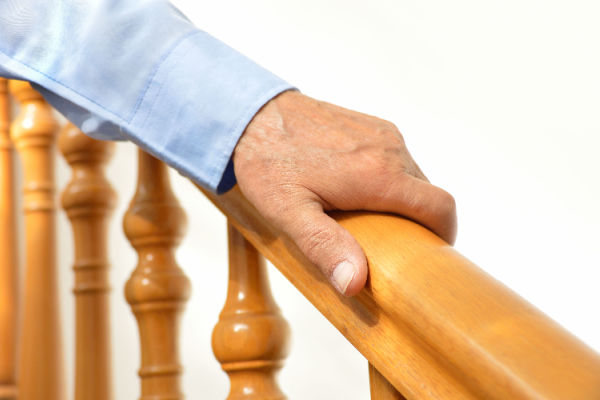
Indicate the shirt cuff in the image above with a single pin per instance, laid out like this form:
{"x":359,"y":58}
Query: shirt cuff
{"x":199,"y":99}
{"x":197,"y":105}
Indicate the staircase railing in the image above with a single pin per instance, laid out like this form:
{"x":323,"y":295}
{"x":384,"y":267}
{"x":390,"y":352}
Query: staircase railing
{"x":430,"y":321}
{"x":431,"y":324}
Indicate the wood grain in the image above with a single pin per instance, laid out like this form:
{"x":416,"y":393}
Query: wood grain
{"x":434,"y":324}
{"x":34,"y":132}
{"x":158,"y":289}
{"x":88,"y":201}
{"x":251,"y":338}
{"x":381,"y":388}
{"x":8,"y":256}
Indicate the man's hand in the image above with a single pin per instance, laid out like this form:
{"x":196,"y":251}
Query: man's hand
{"x":299,"y":157}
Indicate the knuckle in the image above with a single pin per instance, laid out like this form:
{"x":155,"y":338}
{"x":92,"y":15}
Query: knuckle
{"x":381,"y":190}
{"x":447,"y":218}
{"x":388,"y":126}
{"x":447,"y":205}
{"x":390,"y":130}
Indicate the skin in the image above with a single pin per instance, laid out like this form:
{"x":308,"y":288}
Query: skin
{"x":300,"y":157}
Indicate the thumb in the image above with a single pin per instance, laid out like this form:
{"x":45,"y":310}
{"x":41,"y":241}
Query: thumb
{"x":327,"y":245}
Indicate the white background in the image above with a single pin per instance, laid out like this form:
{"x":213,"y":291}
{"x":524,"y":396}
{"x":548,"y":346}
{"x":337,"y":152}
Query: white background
{"x":498,"y":102}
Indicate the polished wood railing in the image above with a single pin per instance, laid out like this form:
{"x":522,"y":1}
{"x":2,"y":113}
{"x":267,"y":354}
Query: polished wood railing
{"x":158,"y":288}
{"x":88,"y":201}
{"x":34,"y":134}
{"x":9,"y":304}
{"x":430,"y":323}
{"x":251,"y":339}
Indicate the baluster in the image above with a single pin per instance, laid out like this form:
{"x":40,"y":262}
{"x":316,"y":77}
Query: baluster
{"x":33,"y":133}
{"x":381,"y":388}
{"x":88,"y":201}
{"x":251,"y":338}
{"x":8,"y":256}
{"x":158,"y":289}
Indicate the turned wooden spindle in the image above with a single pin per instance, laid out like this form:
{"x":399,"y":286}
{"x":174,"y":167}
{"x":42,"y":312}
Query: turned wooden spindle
{"x":33,"y":133}
{"x":381,"y":388}
{"x":88,"y":201}
{"x":158,"y":289}
{"x":251,"y":338}
{"x":8,"y":256}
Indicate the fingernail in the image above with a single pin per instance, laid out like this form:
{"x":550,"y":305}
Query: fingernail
{"x":342,"y":275}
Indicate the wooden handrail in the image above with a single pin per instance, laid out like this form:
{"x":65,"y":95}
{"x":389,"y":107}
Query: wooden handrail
{"x":431,"y":324}
{"x":430,"y":321}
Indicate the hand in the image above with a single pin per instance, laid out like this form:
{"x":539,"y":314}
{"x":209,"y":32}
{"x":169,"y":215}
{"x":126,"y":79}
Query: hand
{"x":299,"y":157}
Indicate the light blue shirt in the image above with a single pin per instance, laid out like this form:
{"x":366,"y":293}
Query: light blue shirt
{"x":138,"y":70}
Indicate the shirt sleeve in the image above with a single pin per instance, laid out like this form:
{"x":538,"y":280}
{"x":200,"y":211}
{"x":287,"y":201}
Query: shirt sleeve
{"x":138,"y":70}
